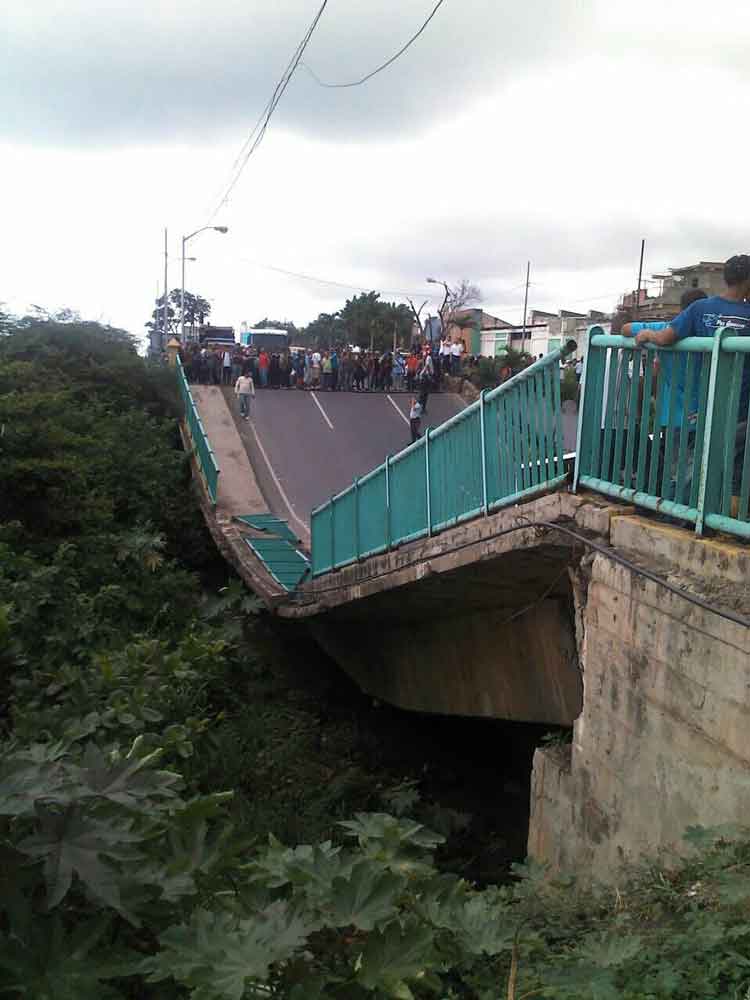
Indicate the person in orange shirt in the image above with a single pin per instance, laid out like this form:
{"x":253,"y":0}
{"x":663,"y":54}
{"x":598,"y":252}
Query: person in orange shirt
{"x":412,"y":364}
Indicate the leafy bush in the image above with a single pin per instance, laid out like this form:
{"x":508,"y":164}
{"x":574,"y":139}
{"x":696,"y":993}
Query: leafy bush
{"x":114,"y":880}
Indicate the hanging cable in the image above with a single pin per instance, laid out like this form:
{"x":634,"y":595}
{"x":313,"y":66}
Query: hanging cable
{"x":258,"y":133}
{"x":385,"y":65}
{"x":309,"y":597}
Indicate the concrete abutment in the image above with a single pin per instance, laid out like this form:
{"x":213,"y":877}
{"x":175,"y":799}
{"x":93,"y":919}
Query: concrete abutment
{"x":663,"y":738}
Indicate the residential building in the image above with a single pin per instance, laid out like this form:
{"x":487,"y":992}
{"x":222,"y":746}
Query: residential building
{"x":545,"y":332}
{"x":707,"y":275}
{"x":469,"y":325}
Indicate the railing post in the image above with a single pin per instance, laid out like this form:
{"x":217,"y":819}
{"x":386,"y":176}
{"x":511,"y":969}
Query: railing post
{"x":388,"y":502}
{"x":356,"y":517}
{"x":427,"y":479}
{"x":333,"y":539}
{"x":483,"y":437}
{"x":585,"y":377}
{"x":708,"y":431}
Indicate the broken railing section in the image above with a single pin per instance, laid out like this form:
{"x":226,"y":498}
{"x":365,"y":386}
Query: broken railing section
{"x":506,"y":446}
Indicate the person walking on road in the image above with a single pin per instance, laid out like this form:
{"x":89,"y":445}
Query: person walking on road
{"x":244,"y":388}
{"x":415,"y":420}
{"x":424,"y":377}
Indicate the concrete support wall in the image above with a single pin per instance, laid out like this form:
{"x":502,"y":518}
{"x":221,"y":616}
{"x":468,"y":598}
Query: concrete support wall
{"x":663,"y":741}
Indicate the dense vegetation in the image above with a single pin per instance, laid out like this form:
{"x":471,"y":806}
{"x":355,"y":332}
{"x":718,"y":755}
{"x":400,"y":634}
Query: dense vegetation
{"x":157,"y":767}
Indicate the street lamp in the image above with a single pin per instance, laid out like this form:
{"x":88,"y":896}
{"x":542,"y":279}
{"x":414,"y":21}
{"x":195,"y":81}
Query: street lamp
{"x":441,"y":311}
{"x":216,"y":229}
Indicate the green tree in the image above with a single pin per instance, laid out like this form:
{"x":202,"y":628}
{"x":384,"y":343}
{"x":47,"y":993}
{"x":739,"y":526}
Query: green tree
{"x":363,"y":317}
{"x":197,"y":310}
{"x":325,"y":331}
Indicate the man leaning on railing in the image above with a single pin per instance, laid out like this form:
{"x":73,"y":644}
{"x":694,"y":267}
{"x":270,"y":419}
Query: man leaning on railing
{"x":702,"y":318}
{"x":672,"y":368}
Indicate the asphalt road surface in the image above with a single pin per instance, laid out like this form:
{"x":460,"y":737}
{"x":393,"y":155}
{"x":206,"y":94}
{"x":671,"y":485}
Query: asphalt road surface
{"x":306,"y":446}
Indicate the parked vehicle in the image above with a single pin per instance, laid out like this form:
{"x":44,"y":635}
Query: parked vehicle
{"x":273,"y":341}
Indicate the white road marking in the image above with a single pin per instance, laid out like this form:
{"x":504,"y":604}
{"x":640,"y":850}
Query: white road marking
{"x":397,"y":408}
{"x":279,"y":487}
{"x":323,"y":412}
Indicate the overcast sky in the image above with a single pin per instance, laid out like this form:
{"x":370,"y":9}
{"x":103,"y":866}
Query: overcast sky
{"x":560,"y":131}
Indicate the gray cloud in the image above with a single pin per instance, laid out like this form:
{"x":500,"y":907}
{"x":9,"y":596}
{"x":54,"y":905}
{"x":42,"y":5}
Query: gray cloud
{"x":493,"y":251}
{"x":79,"y":74}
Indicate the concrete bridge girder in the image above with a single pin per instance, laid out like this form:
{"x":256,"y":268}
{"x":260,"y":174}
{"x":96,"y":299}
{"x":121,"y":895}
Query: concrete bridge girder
{"x":475,"y":621}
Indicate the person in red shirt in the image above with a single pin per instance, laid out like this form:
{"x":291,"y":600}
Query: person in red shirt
{"x":263,"y":365}
{"x":412,"y":364}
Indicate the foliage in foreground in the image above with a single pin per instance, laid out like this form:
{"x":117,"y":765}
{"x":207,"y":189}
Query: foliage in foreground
{"x":115,"y":877}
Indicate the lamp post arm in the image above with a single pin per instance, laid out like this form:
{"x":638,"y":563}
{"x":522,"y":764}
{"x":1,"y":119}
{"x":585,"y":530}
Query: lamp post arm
{"x":219,"y":229}
{"x":201,"y":230}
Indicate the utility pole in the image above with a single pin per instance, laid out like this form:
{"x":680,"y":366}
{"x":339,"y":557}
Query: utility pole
{"x":166,"y":297}
{"x":395,"y":335}
{"x":182,"y":297}
{"x":640,"y":277}
{"x":525,"y":305}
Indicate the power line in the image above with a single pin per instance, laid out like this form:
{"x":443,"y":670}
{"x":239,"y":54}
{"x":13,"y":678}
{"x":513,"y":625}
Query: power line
{"x":309,"y":596}
{"x":385,"y":65}
{"x":258,"y":133}
{"x":335,"y":284}
{"x":327,"y":281}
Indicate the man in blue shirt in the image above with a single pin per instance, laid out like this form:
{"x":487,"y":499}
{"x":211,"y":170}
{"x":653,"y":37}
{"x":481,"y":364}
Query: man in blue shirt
{"x":666,"y":365}
{"x":703,"y":318}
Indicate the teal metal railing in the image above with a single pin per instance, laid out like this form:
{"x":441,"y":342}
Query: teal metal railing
{"x":506,"y":446}
{"x":666,"y":428}
{"x":207,"y":463}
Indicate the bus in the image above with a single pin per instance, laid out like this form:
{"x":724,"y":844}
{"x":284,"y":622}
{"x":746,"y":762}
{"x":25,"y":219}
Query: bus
{"x":273,"y":341}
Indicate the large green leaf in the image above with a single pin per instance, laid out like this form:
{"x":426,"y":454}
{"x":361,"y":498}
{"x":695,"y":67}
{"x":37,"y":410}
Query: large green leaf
{"x":391,"y":830}
{"x":396,"y":955}
{"x":483,"y":927}
{"x":607,"y":951}
{"x":402,"y":844}
{"x":219,"y":956}
{"x":127,"y":781}
{"x":365,"y":898}
{"x":308,"y":868}
{"x":44,"y":961}
{"x":24,"y":780}
{"x":71,"y":843}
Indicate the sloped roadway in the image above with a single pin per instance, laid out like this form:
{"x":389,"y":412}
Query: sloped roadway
{"x":307,"y":445}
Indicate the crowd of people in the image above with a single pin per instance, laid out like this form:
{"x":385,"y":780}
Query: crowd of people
{"x":336,"y":370}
